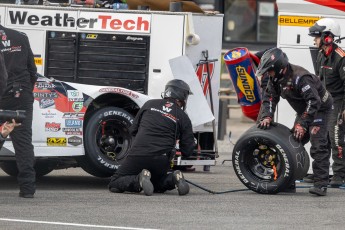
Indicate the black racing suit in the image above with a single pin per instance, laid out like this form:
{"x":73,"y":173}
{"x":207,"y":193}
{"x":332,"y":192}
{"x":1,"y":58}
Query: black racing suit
{"x":3,"y":82}
{"x":264,"y":78}
{"x":3,"y":75}
{"x":313,"y":104}
{"x":156,"y":127}
{"x":331,"y":70}
{"x":21,"y":70}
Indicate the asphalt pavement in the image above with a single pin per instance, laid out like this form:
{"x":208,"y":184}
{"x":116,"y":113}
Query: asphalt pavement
{"x":72,"y":199}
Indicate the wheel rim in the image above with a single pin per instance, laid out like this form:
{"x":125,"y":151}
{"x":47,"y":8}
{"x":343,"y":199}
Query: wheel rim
{"x":263,"y":160}
{"x":113,"y":139}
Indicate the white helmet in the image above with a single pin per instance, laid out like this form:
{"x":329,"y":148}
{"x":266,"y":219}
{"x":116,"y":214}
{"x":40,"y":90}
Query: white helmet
{"x":325,"y":26}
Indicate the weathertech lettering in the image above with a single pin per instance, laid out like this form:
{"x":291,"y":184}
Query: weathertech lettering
{"x":93,"y":21}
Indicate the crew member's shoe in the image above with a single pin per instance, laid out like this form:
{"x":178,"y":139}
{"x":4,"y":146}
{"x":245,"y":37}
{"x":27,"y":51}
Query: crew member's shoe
{"x":318,"y":190}
{"x":145,"y":182}
{"x":336,"y":181}
{"x":309,"y":178}
{"x":26,"y":195}
{"x":180,"y":183}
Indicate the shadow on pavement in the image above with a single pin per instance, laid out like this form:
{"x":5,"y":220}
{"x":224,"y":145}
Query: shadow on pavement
{"x":59,"y":182}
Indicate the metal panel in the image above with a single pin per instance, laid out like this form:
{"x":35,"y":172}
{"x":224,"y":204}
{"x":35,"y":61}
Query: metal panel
{"x":99,"y":59}
{"x":167,"y":34}
{"x":60,"y":55}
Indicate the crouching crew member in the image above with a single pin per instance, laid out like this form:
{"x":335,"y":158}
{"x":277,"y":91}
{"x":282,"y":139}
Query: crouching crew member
{"x":312,"y":103}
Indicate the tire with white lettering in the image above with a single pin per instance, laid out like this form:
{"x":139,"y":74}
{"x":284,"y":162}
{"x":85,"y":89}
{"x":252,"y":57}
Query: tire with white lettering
{"x":106,"y":141}
{"x":269,"y":161}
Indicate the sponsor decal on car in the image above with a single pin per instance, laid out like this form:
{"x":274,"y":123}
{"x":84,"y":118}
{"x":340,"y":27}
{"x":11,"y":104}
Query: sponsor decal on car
{"x":52,"y":127}
{"x":73,"y":123}
{"x":70,"y":129}
{"x":75,"y":95}
{"x":48,"y":114}
{"x":119,"y":91}
{"x":47,"y":103}
{"x":77,"y":106}
{"x":73,"y":115}
{"x":45,"y":94}
{"x":79,"y":133}
{"x":56,"y":141}
{"x":74,"y":140}
{"x":44,"y":85}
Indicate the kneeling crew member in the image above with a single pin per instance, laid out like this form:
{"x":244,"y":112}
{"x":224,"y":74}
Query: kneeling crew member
{"x":157,"y":127}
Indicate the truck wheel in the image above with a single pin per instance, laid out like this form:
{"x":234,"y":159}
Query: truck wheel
{"x":268,"y":161}
{"x":41,"y":168}
{"x":106,"y":140}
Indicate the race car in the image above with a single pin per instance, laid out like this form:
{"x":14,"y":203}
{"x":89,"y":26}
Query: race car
{"x":92,"y":127}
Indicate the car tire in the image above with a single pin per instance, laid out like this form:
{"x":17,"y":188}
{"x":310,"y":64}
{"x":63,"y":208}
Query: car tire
{"x":269,"y":161}
{"x":106,"y":141}
{"x":41,"y":168}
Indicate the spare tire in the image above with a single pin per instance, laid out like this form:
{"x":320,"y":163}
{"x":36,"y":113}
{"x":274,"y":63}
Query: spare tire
{"x":268,"y":161}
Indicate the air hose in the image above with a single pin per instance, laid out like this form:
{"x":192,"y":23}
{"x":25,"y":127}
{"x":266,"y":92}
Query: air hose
{"x":233,"y":190}
{"x":213,"y":192}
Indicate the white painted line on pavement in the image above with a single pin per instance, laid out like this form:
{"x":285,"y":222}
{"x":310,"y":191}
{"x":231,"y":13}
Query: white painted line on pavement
{"x":72,"y":224}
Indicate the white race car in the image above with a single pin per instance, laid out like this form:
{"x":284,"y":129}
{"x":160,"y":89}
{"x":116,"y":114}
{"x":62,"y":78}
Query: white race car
{"x":87,"y":126}
{"x":74,"y":128}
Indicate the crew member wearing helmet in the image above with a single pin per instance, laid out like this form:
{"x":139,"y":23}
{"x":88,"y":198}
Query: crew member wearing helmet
{"x":312,"y":103}
{"x":156,"y":128}
{"x":330,"y":67}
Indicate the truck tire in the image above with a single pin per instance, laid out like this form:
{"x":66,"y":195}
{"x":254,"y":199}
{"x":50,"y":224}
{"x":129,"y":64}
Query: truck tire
{"x":106,"y":141}
{"x":268,"y":161}
{"x":41,"y":168}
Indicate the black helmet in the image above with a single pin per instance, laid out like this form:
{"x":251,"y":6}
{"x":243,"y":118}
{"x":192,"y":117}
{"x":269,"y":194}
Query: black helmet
{"x":177,"y":89}
{"x":273,"y":59}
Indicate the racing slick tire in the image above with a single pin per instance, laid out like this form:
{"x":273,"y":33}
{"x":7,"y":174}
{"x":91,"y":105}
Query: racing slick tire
{"x":41,"y":168}
{"x":269,"y":161}
{"x":106,"y":141}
